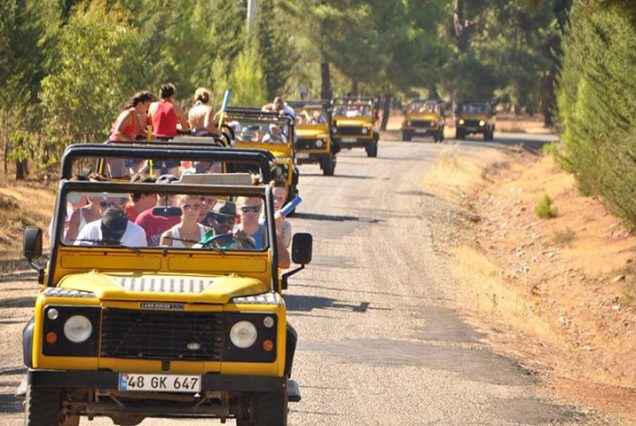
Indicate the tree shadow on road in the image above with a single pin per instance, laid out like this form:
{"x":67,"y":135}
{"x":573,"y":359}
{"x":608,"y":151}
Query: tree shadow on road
{"x":297,"y":303}
{"x":18,"y":302}
{"x":10,"y":404}
{"x":335,"y":218}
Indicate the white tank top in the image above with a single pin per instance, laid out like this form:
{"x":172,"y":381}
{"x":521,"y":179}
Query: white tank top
{"x":175,"y":234}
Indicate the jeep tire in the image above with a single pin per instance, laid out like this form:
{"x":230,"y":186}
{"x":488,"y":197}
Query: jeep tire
{"x":43,"y":405}
{"x":266,"y":409}
{"x":439,"y":136}
{"x":460,"y":134}
{"x":407,"y":136}
{"x":328,"y":164}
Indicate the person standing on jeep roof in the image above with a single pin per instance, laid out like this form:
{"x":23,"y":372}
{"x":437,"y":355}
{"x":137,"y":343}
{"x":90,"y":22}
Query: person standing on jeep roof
{"x":279,"y":106}
{"x":201,"y":116}
{"x":164,"y":115}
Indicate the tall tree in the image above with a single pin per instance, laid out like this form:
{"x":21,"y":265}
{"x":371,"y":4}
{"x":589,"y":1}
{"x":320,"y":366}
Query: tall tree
{"x":100,"y":68}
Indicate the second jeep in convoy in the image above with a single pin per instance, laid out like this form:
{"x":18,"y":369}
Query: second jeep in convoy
{"x":314,"y":144}
{"x":129,"y":328}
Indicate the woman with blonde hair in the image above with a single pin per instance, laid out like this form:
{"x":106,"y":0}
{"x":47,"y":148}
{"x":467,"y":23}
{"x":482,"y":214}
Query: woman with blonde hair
{"x":189,"y":231}
{"x":201,"y":116}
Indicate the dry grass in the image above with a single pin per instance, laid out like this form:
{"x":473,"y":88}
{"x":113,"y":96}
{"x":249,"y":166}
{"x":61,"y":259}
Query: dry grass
{"x":22,"y":204}
{"x":563,"y":290}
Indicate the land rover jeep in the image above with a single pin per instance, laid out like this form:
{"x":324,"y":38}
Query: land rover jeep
{"x":314,"y":144}
{"x":129,"y":327}
{"x":354,"y":123}
{"x":424,"y":118}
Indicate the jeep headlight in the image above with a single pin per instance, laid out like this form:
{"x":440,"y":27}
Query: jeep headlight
{"x":243,"y":334}
{"x":365,"y":130}
{"x":78,"y":328}
{"x":482,"y":122}
{"x":334,"y":130}
{"x":320,"y":143}
{"x":408,"y":123}
{"x":433,"y":124}
{"x":461,"y":121}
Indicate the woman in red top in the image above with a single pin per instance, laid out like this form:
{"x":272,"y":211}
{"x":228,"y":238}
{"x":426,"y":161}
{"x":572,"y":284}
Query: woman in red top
{"x":128,"y":126}
{"x":164,"y":115}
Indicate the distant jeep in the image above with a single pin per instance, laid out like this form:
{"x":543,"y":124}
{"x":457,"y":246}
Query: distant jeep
{"x":424,"y":117}
{"x":476,"y":116}
{"x":354,"y":123}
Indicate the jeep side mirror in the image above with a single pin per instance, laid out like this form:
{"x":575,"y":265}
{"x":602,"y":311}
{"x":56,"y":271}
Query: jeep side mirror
{"x":301,"y":255}
{"x":32,"y":243}
{"x":302,"y":248}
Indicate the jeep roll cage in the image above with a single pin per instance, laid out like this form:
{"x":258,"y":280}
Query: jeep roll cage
{"x":162,"y":150}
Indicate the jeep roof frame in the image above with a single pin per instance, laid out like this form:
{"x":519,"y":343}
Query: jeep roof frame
{"x":168,"y":151}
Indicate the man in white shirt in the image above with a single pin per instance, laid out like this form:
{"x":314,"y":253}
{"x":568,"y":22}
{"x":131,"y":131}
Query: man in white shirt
{"x":113,"y":228}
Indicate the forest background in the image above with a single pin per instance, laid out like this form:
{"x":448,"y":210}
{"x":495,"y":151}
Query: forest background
{"x":69,"y":66}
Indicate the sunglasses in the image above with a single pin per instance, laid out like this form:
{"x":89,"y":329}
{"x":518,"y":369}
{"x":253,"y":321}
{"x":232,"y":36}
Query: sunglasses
{"x":251,"y":209}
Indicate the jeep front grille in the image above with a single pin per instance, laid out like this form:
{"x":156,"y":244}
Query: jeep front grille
{"x":349,"y":130}
{"x":471,"y":123}
{"x":308,"y":144}
{"x":165,"y":335}
{"x":422,"y":123}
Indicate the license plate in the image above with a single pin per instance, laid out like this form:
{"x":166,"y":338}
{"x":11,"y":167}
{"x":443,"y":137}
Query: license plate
{"x":159,"y":383}
{"x":471,"y":129}
{"x":349,"y":139}
{"x":302,"y":156}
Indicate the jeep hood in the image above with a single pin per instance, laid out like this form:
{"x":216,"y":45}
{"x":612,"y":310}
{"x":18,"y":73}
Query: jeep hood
{"x":352,"y":121}
{"x":164,"y":287}
{"x":423,"y":116}
{"x":474,"y":116}
{"x":312,"y":132}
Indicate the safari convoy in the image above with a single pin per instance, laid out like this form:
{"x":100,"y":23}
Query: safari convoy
{"x":172,"y":313}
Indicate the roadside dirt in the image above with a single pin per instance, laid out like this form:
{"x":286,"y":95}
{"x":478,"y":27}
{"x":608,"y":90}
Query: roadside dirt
{"x":559,"y":293}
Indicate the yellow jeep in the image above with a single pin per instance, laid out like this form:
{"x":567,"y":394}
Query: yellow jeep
{"x":256,"y":129}
{"x":313,"y":135}
{"x":354,"y":123}
{"x":424,"y":117}
{"x":128,"y":329}
{"x":475,"y":116}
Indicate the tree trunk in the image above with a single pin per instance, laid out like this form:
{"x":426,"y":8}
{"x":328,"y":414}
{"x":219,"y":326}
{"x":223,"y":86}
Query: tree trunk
{"x":21,"y":169}
{"x":354,"y":87}
{"x":462,"y":27}
{"x":386,"y":110}
{"x":325,"y":87}
{"x":432,"y":92}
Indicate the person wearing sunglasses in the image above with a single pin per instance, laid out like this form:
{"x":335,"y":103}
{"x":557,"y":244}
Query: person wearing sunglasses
{"x":113,"y":228}
{"x":252,"y":230}
{"x":189,"y":231}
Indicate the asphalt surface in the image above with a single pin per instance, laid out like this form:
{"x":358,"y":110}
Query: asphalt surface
{"x":380,"y":339}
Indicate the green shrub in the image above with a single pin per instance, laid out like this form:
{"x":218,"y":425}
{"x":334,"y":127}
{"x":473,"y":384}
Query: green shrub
{"x":544,"y":209}
{"x":597,"y":100}
{"x":564,"y":237}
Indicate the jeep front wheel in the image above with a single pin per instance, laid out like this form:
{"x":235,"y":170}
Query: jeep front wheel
{"x":269,"y":409}
{"x":406,"y":136}
{"x":328,"y":165}
{"x":43,"y":407}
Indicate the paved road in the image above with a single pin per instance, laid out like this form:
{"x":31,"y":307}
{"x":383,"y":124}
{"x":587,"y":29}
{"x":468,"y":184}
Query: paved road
{"x":380,"y":340}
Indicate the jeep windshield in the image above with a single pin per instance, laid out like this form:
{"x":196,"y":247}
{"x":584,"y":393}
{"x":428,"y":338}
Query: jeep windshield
{"x":353,"y":110}
{"x":424,"y":107}
{"x":475,"y":108}
{"x":255,"y":130}
{"x":311,"y":115}
{"x":186,"y":214}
